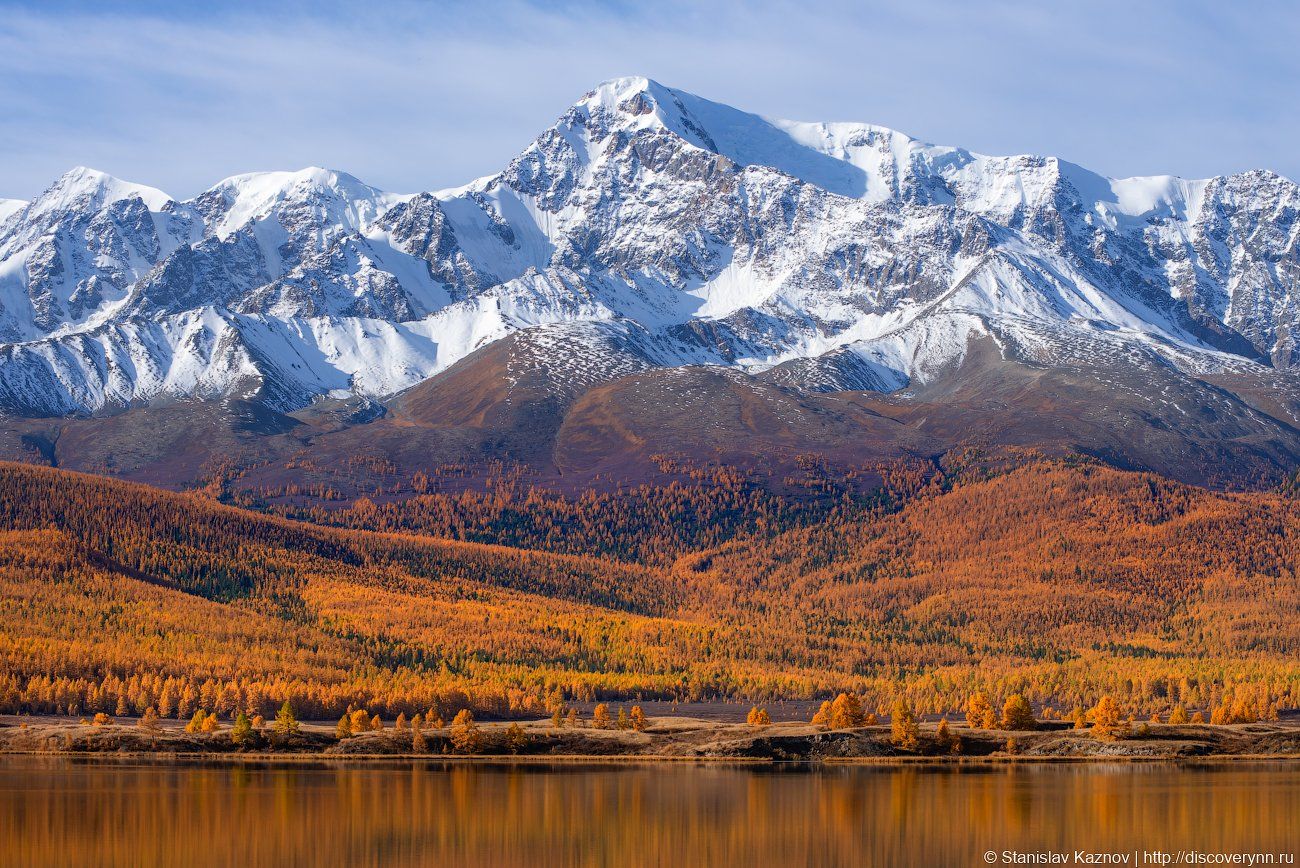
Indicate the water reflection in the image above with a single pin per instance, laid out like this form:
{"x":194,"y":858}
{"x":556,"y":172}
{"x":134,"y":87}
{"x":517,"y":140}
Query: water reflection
{"x":63,"y":812}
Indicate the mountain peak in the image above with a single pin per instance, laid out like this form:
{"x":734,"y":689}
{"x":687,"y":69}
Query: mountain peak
{"x":622,"y":87}
{"x":100,"y":188}
{"x":636,"y":101}
{"x":280,"y":183}
{"x":254,"y":195}
{"x":842,"y":158}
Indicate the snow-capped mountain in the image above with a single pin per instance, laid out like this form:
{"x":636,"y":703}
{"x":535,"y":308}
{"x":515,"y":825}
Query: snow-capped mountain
{"x":647,"y":228}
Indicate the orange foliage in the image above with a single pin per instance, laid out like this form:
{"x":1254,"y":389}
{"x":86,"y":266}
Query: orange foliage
{"x":1057,"y":581}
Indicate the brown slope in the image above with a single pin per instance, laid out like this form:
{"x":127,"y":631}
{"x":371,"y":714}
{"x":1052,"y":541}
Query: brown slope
{"x":590,"y":409}
{"x":1225,"y":431}
{"x":725,"y":416}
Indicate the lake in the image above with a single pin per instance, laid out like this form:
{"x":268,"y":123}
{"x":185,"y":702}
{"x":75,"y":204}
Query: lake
{"x":73,"y":812}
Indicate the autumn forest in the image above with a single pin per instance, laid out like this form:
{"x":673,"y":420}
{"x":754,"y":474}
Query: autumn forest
{"x":1059,"y":580}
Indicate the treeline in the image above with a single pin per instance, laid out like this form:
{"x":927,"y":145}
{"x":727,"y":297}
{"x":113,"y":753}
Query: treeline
{"x":179,"y":698}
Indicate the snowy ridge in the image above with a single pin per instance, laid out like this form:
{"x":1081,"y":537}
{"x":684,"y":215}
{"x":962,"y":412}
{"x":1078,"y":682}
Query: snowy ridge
{"x":650,"y":226}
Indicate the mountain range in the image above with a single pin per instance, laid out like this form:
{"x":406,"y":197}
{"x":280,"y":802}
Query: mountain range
{"x":657,"y":272}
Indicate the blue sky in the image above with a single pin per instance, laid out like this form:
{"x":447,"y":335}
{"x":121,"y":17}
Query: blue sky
{"x":411,"y":96}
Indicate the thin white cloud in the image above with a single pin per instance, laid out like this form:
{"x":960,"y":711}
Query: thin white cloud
{"x":424,"y":95}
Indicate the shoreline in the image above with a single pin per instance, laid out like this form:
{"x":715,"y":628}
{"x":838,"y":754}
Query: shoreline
{"x":664,"y":740}
{"x":303,"y":758}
